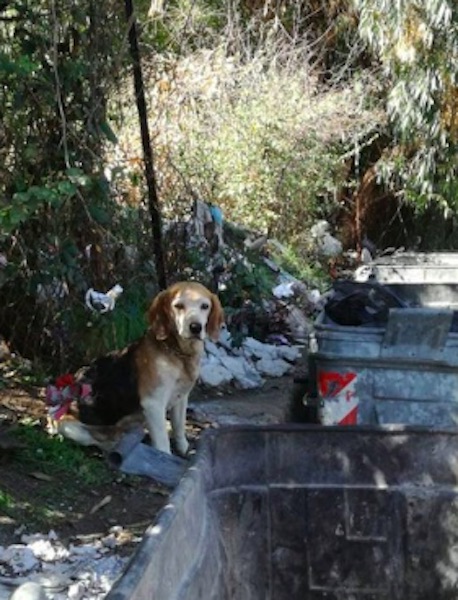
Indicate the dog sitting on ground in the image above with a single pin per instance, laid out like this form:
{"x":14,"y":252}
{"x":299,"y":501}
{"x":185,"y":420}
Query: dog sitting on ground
{"x":151,"y":378}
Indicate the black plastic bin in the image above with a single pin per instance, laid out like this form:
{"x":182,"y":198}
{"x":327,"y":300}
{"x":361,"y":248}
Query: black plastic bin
{"x":297,"y":512}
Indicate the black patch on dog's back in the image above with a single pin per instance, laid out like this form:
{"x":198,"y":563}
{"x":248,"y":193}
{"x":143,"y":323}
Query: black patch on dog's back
{"x":114,"y":384}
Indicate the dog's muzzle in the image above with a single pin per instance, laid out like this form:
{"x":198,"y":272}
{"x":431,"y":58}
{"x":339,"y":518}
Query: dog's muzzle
{"x":195,"y":329}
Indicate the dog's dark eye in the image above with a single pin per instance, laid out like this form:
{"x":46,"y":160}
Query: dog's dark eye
{"x":179,"y":306}
{"x":205,"y":306}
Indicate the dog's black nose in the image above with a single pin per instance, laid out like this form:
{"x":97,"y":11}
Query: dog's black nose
{"x":195,"y":328}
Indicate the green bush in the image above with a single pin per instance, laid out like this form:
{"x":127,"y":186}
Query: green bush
{"x":417,"y":45}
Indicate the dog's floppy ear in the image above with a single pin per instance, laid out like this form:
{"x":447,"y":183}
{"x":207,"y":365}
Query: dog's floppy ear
{"x":159,"y":317}
{"x":215,"y":319}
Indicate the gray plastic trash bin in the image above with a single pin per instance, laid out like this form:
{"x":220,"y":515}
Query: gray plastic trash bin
{"x":412,"y":268}
{"x":303,"y":513}
{"x":405,"y":372}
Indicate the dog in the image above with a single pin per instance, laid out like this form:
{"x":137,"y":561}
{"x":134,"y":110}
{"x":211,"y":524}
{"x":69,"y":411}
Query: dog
{"x":151,"y":378}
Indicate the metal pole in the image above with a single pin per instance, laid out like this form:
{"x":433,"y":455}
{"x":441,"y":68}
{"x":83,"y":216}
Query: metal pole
{"x":153,"y":202}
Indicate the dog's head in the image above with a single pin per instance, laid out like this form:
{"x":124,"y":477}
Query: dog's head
{"x":187,"y":309}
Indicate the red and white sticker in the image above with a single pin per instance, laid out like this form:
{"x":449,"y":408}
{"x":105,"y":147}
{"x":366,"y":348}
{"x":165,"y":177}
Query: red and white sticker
{"x":338,"y":394}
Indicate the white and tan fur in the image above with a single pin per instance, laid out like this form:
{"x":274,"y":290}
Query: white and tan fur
{"x":162,"y":366}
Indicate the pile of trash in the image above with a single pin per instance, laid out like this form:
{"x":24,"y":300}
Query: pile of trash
{"x":246,"y":366}
{"x":41,"y":567}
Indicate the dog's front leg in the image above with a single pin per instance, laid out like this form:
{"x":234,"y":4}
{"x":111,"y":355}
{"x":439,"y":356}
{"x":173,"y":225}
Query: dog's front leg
{"x":155,"y":414}
{"x":178,"y":420}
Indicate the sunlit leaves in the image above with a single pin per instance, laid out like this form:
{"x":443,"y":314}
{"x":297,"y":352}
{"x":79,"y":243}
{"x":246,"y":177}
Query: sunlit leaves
{"x":417,"y":42}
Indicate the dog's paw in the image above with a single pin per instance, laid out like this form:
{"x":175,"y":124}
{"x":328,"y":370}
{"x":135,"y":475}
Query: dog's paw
{"x":182,"y":447}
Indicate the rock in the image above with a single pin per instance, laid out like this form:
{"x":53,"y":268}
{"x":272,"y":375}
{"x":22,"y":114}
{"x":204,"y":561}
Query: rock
{"x":245,"y":367}
{"x":249,"y":381}
{"x":273,"y":367}
{"x":236,"y":365}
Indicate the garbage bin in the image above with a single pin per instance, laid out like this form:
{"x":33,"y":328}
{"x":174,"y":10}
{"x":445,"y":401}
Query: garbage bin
{"x":307,"y":513}
{"x":405,"y":372}
{"x":381,"y":358}
{"x":412,"y":267}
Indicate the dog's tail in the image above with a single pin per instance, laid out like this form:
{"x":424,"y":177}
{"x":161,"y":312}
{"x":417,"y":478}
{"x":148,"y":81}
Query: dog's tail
{"x":77,"y":432}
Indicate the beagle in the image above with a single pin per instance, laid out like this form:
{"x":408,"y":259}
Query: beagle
{"x":152,"y":378}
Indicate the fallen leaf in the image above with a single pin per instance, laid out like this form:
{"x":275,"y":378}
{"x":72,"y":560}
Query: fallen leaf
{"x":41,"y":476}
{"x":100,"y":504}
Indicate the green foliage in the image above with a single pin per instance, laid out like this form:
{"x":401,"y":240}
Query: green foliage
{"x":55,"y":456}
{"x":297,"y":263}
{"x":53,"y":105}
{"x":250,"y":280}
{"x":6,"y":502}
{"x":417,"y":43}
{"x":185,"y":25}
{"x":26,"y":204}
{"x":61,"y":228}
{"x":103,"y":333}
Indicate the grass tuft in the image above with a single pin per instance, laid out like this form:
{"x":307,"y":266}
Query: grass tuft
{"x":56,"y":457}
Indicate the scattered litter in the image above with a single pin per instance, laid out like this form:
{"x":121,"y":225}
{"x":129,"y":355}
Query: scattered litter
{"x":277,"y":339}
{"x":326,"y":244}
{"x":29,"y":591}
{"x":56,"y":290}
{"x":41,"y":476}
{"x":106,"y":500}
{"x":246,"y":366}
{"x":102,"y":303}
{"x":17,"y":559}
{"x":131,"y":455}
{"x":42,"y":567}
{"x":284,"y":290}
{"x":59,"y":396}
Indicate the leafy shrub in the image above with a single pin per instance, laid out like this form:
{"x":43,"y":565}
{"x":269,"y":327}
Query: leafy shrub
{"x":258,"y":136}
{"x":417,"y":45}
{"x":61,"y":230}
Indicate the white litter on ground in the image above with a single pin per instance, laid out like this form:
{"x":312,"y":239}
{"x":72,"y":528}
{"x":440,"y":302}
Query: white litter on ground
{"x":247,"y":366}
{"x":76,"y":572}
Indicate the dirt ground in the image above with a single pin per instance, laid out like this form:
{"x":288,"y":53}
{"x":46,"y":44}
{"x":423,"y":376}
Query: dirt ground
{"x":38,"y":503}
{"x":61,"y":504}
